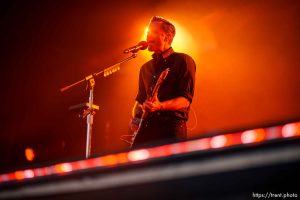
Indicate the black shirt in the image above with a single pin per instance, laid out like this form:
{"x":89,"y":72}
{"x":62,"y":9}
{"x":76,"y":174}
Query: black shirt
{"x":180,"y":81}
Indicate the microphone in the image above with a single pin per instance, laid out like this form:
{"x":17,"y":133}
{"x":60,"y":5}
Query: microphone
{"x":140,"y":46}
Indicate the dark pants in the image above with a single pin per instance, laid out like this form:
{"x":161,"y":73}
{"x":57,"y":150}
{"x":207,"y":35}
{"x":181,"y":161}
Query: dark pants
{"x":158,"y":129}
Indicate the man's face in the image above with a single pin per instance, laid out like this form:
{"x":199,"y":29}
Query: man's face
{"x":156,"y":38}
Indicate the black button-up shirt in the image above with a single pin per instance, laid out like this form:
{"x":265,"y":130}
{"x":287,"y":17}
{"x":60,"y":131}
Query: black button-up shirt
{"x":180,"y":81}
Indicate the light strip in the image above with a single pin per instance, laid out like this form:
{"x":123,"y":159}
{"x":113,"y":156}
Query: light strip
{"x":142,"y":155}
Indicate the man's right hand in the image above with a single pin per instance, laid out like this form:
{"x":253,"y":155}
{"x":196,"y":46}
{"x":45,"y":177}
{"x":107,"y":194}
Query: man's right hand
{"x":134,"y":124}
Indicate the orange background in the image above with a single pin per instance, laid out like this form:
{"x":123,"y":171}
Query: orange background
{"x":247,"y":69}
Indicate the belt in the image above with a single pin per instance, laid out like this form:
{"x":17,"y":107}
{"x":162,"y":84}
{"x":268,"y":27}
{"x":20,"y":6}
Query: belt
{"x":162,"y":116}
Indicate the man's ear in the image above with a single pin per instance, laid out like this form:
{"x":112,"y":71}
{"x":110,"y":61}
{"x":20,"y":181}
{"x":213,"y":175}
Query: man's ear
{"x":167,"y":38}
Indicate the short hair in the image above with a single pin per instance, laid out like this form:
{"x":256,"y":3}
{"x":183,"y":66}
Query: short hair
{"x":167,"y":26}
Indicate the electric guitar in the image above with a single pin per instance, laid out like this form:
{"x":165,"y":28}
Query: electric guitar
{"x":151,"y":98}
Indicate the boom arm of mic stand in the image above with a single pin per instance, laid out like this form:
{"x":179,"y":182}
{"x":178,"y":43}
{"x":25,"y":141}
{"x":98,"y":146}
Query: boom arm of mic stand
{"x":87,"y":78}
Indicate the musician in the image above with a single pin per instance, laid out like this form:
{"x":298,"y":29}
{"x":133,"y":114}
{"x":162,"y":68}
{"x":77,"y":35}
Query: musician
{"x":170,"y":108}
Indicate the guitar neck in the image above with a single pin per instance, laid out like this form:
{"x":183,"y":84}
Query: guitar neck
{"x":154,"y":94}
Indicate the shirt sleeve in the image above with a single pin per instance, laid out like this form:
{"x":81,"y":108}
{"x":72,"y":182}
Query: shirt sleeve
{"x":142,"y":95}
{"x":186,"y":78}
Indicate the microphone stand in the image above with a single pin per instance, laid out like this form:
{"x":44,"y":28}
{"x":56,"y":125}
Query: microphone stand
{"x":89,"y":108}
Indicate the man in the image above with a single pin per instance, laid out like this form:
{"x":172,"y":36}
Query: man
{"x":169,"y":111}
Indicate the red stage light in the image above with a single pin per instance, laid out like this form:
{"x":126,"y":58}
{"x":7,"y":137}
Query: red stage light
{"x":290,"y":130}
{"x":122,"y":157}
{"x":109,"y":160}
{"x":19,"y":175}
{"x":197,"y":145}
{"x":29,"y":154}
{"x":252,"y":136}
{"x":63,"y":168}
{"x":137,"y":155}
{"x":218,"y":141}
{"x":28,"y":173}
